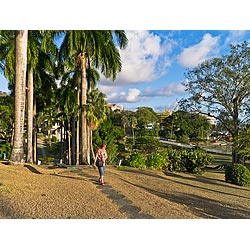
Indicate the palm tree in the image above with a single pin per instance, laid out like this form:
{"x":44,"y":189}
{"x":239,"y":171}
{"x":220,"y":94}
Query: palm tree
{"x":134,"y":122}
{"x":98,"y":50}
{"x":97,"y":110}
{"x":17,"y":153}
{"x":40,"y":47}
{"x":125,"y":122}
{"x":7,"y":55}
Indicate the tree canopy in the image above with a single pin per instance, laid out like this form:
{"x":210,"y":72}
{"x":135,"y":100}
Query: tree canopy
{"x":220,"y":87}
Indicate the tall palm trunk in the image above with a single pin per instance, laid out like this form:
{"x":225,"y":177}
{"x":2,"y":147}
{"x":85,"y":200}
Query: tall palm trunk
{"x":69,"y":143}
{"x":17,"y":153}
{"x":34,"y":131}
{"x":84,"y":137}
{"x":78,"y":125}
{"x":30,"y":115}
{"x":73,"y":141}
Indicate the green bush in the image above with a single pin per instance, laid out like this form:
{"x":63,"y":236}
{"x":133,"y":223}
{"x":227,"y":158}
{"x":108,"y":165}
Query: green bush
{"x":53,"y":138}
{"x":173,"y":157}
{"x":237,"y":174}
{"x":156,"y":161}
{"x":147,"y":144}
{"x":5,"y":147}
{"x":194,"y":160}
{"x":137,"y":160}
{"x":46,"y":160}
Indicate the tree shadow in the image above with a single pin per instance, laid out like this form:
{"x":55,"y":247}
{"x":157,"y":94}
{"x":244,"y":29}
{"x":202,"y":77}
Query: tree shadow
{"x":7,"y":211}
{"x":68,"y":177}
{"x":32,"y":169}
{"x":206,"y":180}
{"x":202,"y":206}
{"x":138,"y":171}
{"x":195,"y":178}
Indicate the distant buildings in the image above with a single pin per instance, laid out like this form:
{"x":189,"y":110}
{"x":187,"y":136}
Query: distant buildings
{"x":115,"y":107}
{"x":2,"y":94}
{"x":210,"y":119}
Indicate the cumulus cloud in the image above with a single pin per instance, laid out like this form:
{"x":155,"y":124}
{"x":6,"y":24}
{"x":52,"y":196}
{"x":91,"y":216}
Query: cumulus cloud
{"x":196,"y":54}
{"x":146,"y":58}
{"x":116,"y":94}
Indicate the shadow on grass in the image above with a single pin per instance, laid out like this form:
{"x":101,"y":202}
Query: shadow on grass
{"x":205,"y":180}
{"x":202,"y":206}
{"x":195,"y":178}
{"x":145,"y":172}
{"x":7,"y":211}
{"x":69,"y":177}
{"x":32,"y":169}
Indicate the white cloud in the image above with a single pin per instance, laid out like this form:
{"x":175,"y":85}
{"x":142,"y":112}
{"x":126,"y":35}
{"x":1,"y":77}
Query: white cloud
{"x":196,"y":54}
{"x":235,"y":36}
{"x":116,"y":95}
{"x":168,"y":90}
{"x":146,"y":58}
{"x":133,"y":95}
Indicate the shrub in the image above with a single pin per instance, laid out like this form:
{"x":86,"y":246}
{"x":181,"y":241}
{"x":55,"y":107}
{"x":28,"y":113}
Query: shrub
{"x":156,"y":161}
{"x":173,"y":157}
{"x":137,"y":160}
{"x":194,"y":160}
{"x":147,"y":144}
{"x":5,"y":147}
{"x":237,"y":174}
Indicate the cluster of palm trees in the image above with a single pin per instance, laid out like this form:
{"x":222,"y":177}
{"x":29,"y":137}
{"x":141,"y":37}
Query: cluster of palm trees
{"x":53,"y":75}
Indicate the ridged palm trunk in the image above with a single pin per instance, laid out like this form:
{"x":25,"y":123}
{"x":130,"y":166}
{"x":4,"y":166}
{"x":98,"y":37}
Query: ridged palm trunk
{"x":78,"y":126}
{"x":34,"y":131}
{"x":30,"y":99}
{"x":84,"y":136}
{"x":17,"y":153}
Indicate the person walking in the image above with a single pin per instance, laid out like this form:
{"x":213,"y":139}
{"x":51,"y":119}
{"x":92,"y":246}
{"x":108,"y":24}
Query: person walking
{"x":100,"y":162}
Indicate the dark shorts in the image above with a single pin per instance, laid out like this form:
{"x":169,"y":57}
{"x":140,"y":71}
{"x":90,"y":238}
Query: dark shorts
{"x":102,"y":170}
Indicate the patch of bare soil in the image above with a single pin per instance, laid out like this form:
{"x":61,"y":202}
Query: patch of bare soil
{"x":44,"y":192}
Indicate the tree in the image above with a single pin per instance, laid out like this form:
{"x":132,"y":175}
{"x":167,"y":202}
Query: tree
{"x":133,"y":124}
{"x":95,"y":49}
{"x":17,"y":153}
{"x":242,"y":142}
{"x":97,"y":110}
{"x":220,"y":88}
{"x":145,"y":116}
{"x":40,"y":47}
{"x":125,"y":123}
{"x":7,"y":55}
{"x":7,"y":117}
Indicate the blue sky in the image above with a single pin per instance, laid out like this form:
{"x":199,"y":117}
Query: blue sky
{"x":154,"y":62}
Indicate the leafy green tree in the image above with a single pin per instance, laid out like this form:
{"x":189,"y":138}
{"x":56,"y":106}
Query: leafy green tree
{"x":7,"y":55}
{"x":109,"y":134}
{"x":186,"y":126}
{"x":220,"y":87}
{"x":7,"y":117}
{"x":242,"y":142}
{"x":145,"y":117}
